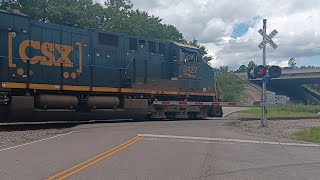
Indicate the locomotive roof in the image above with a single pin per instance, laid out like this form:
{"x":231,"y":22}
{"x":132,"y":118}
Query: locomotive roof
{"x":14,"y":12}
{"x":185,"y":45}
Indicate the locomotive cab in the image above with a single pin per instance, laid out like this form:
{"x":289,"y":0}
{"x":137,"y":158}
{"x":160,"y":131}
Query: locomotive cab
{"x":194,"y":75}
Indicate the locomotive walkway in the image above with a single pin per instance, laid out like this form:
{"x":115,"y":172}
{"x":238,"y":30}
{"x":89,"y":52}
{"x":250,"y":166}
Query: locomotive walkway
{"x":159,"y":150}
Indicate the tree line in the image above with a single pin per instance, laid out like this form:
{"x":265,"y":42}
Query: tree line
{"x":226,"y":69}
{"x":112,"y":15}
{"x":251,"y":64}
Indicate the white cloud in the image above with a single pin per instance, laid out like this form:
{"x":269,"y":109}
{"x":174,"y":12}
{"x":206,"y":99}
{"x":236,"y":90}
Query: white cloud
{"x":212,"y":23}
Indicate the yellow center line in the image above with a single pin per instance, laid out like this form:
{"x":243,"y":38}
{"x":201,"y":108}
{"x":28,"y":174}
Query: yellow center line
{"x":92,"y":161}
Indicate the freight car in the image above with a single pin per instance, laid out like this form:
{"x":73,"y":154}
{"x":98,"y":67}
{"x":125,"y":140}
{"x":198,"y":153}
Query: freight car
{"x":51,"y":67}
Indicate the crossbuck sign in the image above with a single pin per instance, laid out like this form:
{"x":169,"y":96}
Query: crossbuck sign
{"x":267,"y":39}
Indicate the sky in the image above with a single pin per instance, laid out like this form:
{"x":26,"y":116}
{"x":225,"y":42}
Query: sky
{"x":229,"y":28}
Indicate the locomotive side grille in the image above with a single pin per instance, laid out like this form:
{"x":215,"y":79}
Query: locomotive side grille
{"x":4,"y":98}
{"x":108,"y":39}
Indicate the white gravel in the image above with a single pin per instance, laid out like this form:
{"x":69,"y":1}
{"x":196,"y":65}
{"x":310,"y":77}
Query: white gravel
{"x":12,"y":137}
{"x":282,"y":129}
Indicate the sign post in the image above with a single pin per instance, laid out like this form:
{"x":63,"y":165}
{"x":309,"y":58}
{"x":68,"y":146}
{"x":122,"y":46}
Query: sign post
{"x":266,"y":39}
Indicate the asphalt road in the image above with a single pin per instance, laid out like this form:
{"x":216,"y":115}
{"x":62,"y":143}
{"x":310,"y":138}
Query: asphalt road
{"x":159,"y":150}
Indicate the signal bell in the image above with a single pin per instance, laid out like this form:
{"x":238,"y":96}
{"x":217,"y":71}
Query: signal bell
{"x":250,"y":74}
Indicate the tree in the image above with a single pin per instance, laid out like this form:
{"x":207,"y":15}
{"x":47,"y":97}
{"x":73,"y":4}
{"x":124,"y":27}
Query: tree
{"x":242,"y":68}
{"x":292,"y":63}
{"x":251,"y":64}
{"x":76,"y":13}
{"x":302,"y":67}
{"x":121,"y":5}
{"x":36,"y":9}
{"x":115,"y":15}
{"x":311,"y":67}
{"x":307,"y":67}
{"x":9,"y":5}
{"x":221,"y":70}
{"x":142,"y":24}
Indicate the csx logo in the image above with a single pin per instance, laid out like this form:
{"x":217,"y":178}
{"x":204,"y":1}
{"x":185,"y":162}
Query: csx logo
{"x":47,"y":57}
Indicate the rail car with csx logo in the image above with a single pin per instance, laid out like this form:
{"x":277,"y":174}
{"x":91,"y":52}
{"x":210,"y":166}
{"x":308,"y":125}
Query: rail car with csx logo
{"x":49,"y":67}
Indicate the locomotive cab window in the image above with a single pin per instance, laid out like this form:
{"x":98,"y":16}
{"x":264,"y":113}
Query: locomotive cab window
{"x":108,"y":39}
{"x":152,"y":47}
{"x":142,"y":42}
{"x":198,"y":57}
{"x":133,"y":44}
{"x":188,"y":56}
{"x":162,"y":48}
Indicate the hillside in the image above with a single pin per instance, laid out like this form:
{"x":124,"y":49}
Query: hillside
{"x":234,"y":89}
{"x":250,"y":94}
{"x":230,"y":87}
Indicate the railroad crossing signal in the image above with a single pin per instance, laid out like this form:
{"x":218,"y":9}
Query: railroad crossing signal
{"x":267,"y":39}
{"x":264,"y":72}
{"x":274,"y":71}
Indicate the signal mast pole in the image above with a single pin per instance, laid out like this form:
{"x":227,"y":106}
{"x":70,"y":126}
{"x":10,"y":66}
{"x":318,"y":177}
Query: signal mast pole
{"x":273,"y":72}
{"x":264,"y":121}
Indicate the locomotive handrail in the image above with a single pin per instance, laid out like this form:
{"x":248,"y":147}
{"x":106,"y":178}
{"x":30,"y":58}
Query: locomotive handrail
{"x":129,"y":64}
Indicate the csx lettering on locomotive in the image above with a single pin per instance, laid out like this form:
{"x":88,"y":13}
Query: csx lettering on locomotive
{"x":47,"y":58}
{"x":46,"y":53}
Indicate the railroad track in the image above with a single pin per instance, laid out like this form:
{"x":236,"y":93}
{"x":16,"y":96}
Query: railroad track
{"x":63,"y":117}
{"x":8,"y":124}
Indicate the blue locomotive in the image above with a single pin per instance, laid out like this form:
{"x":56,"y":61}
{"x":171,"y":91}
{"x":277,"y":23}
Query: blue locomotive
{"x":47,"y":66}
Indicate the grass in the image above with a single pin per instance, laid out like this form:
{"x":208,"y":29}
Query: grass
{"x":310,"y":134}
{"x":284,"y":111}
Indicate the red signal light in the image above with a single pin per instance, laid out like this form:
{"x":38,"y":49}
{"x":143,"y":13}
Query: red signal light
{"x":260,"y":71}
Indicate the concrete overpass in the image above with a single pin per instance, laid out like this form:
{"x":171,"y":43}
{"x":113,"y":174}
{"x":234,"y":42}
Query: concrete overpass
{"x":290,"y":84}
